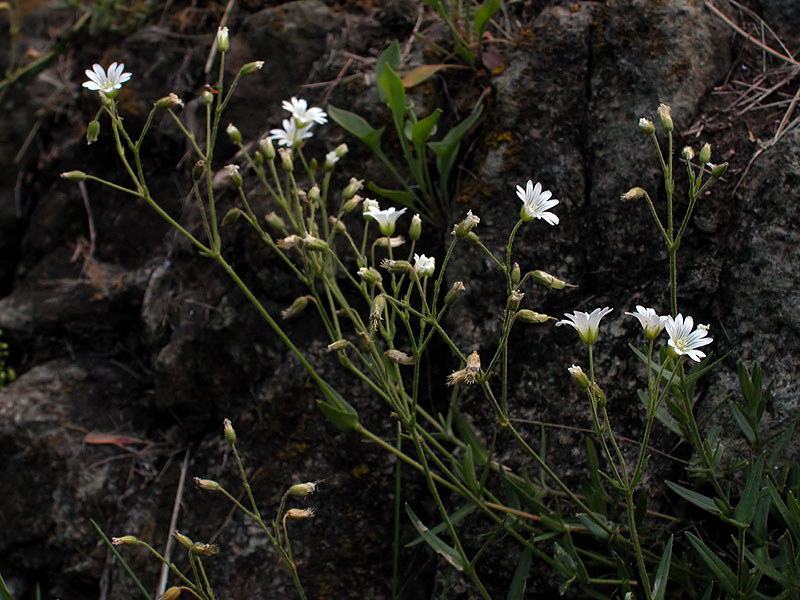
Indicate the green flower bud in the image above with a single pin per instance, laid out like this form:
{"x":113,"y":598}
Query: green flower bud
{"x":548,"y":280}
{"x":172,"y":593}
{"x":125,"y":540}
{"x":705,"y":154}
{"x":251,"y":67}
{"x":74,"y":175}
{"x":666,"y":118}
{"x":266,"y":148}
{"x":340,"y":150}
{"x":298,"y":306}
{"x":515,"y":274}
{"x":314,"y":243}
{"x":168,"y":101}
{"x":223,"y":41}
{"x":92,"y":131}
{"x":455,"y":291}
{"x":207,"y":97}
{"x":396,"y":266}
{"x":233,"y":173}
{"x":529,"y":316}
{"x":718,"y":170}
{"x":207,"y":484}
{"x":231,"y":217}
{"x":234,"y":133}
{"x":301,"y":490}
{"x":314,"y":195}
{"x":646,"y":125}
{"x":183,"y":540}
{"x":230,"y":433}
{"x":352,"y":188}
{"x":370,"y":275}
{"x":275,"y":221}
{"x":198,"y":170}
{"x":579,"y":377}
{"x":415,"y":229}
{"x":465,"y":227}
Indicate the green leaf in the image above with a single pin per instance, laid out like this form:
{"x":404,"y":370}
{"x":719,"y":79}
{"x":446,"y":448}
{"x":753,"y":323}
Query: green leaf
{"x":698,"y":500}
{"x":356,"y":125}
{"x":467,"y":433}
{"x":422,"y":73}
{"x":448,"y":552}
{"x":6,"y":595}
{"x":725,"y":577}
{"x":746,"y":508}
{"x":661,"y":576}
{"x":344,"y":420}
{"x":422,"y":130}
{"x":394,"y":95}
{"x":519,"y":582}
{"x":401,"y":197}
{"x":483,"y":15}
{"x":767,"y":568}
{"x":390,"y":57}
{"x":447,"y":149}
{"x":468,"y":471}
{"x":594,"y":527}
{"x":455,"y":518}
{"x":743,"y":421}
{"x":786,"y":514}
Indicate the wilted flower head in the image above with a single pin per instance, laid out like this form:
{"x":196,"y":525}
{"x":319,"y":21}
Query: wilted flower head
{"x":386,"y":219}
{"x":291,"y":134}
{"x":106,"y":82}
{"x":646,"y":125}
{"x":578,"y":376}
{"x":302,"y":114}
{"x":587,"y":325}
{"x":684,"y":341}
{"x":461,"y":229}
{"x":535,"y":203}
{"x":469,"y":373}
{"x":369,"y":205}
{"x":423,"y":265}
{"x":650,"y":321}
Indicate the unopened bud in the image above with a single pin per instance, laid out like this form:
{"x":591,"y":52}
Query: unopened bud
{"x":172,"y":593}
{"x":299,"y":513}
{"x":415,"y":229}
{"x":183,"y":540}
{"x":636,"y":193}
{"x":74,"y":175}
{"x":455,"y":291}
{"x":275,"y":221}
{"x":251,"y":67}
{"x":337,"y":224}
{"x":223,"y":41}
{"x":465,"y":227}
{"x":200,"y":549}
{"x":298,"y":306}
{"x":234,"y":133}
{"x":530,"y":316}
{"x":231,"y":216}
{"x":687,"y":153}
{"x":352,"y":188}
{"x":352,"y":204}
{"x":516,"y":274}
{"x":705,"y":154}
{"x":646,"y":125}
{"x":314,"y":243}
{"x":390,"y":242}
{"x":579,"y":377}
{"x":207,"y":97}
{"x":266,"y":148}
{"x":370,"y":275}
{"x":549,"y":280}
{"x":401,"y":358}
{"x":198,"y":170}
{"x":666,"y":118}
{"x":207,"y":484}
{"x":376,"y":310}
{"x":300,"y":490}
{"x":396,"y":266}
{"x":230,"y":433}
{"x":340,"y":150}
{"x":168,"y":101}
{"x":125,"y":540}
{"x":514,"y":300}
{"x":337,"y":345}
{"x":314,"y":195}
{"x":92,"y":131}
{"x":597,"y":394}
{"x":286,"y":159}
{"x":718,"y":170}
{"x":233,"y":173}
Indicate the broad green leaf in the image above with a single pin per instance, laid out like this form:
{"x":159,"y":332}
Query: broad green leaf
{"x":422,"y":130}
{"x":661,"y":576}
{"x":698,"y":500}
{"x":746,"y":508}
{"x":390,"y":57}
{"x":394,"y":95}
{"x":519,"y":582}
{"x":725,"y":577}
{"x":467,"y":433}
{"x":447,"y":149}
{"x":401,"y":197}
{"x":356,"y":125}
{"x":483,"y":15}
{"x":342,"y":419}
{"x":448,"y":552}
{"x":422,"y":73}
{"x":455,"y":518}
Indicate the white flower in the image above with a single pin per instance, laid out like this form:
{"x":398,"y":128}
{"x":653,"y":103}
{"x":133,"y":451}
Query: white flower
{"x":684,"y":341}
{"x":535,"y":203}
{"x":651,"y":322}
{"x":290,"y":135}
{"x":587,"y":325}
{"x":106,"y":82}
{"x":386,"y":218}
{"x":331,"y":158}
{"x":369,"y":206}
{"x":423,"y":265}
{"x":302,"y":114}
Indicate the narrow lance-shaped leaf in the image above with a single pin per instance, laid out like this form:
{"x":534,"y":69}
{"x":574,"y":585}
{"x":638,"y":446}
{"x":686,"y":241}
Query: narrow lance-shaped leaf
{"x":662,"y":572}
{"x":722,"y":573}
{"x":520,"y":580}
{"x":447,"y":552}
{"x":483,"y":15}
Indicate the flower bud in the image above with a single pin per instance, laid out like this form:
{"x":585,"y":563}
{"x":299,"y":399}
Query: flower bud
{"x":207,"y":484}
{"x":168,"y":101}
{"x":200,"y":549}
{"x":92,"y":131}
{"x":286,"y":159}
{"x":233,"y":173}
{"x":300,"y":490}
{"x":472,"y":237}
{"x":646,"y":125}
{"x":230,"y":433}
{"x":299,"y":513}
{"x":74,"y":175}
{"x":529,"y":316}
{"x":464,"y":227}
{"x":687,"y":153}
{"x":298,"y":306}
{"x":289,"y":241}
{"x":705,"y":154}
{"x":251,"y":67}
{"x":340,"y":150}
{"x":207,"y":97}
{"x":396,"y":266}
{"x":718,"y":170}
{"x":183,"y":540}
{"x":376,"y":310}
{"x":455,"y":291}
{"x":515,"y":274}
{"x":274,"y":220}
{"x":514,"y":300}
{"x":314,"y":243}
{"x":415,"y":229}
{"x":125,"y":540}
{"x":266,"y":148}
{"x":579,"y":377}
{"x":548,"y":280}
{"x":314,"y":195}
{"x":370,"y":275}
{"x":172,"y":593}
{"x":597,"y":394}
{"x":198,"y":170}
{"x":352,"y":188}
{"x":223,"y":42}
{"x":231,"y":216}
{"x":636,"y":193}
{"x":401,"y":358}
{"x":352,"y":204}
{"x":337,"y":345}
{"x":666,"y":118}
{"x":234,"y":133}
{"x":330,"y":161}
